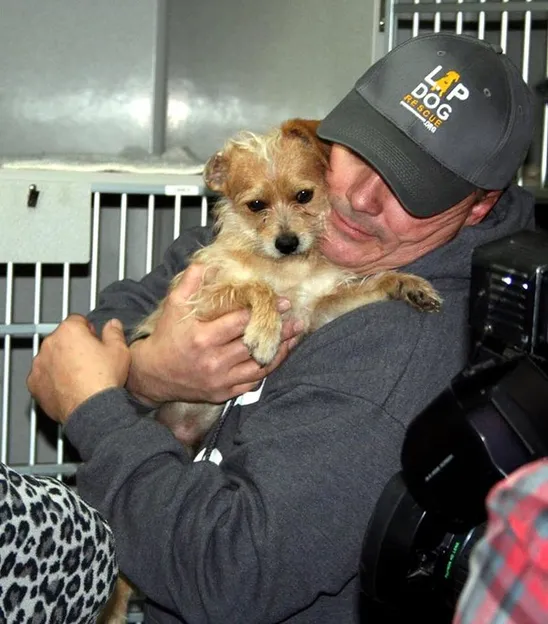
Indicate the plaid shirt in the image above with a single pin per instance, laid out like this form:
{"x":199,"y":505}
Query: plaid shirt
{"x":508,"y":578}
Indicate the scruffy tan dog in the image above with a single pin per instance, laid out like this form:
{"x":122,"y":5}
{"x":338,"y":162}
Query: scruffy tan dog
{"x":269,"y":222}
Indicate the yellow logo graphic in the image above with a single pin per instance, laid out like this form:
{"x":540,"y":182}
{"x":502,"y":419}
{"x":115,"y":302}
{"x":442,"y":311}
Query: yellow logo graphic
{"x":433,"y":99}
{"x":442,"y":84}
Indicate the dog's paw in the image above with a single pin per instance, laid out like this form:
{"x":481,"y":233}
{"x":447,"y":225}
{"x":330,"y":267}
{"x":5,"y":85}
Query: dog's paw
{"x":263,"y":340}
{"x":420,"y":294}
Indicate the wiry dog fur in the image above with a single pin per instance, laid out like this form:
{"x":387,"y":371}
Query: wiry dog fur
{"x":269,"y":222}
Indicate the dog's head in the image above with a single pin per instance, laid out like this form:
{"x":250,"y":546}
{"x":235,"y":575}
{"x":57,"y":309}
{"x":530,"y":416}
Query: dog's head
{"x":273,"y":187}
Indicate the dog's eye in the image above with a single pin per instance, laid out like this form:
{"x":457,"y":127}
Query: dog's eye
{"x":256,"y":205}
{"x":304,"y":196}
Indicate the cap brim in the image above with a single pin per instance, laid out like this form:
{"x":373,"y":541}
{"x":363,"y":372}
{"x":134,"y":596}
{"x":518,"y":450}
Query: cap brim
{"x":423,"y":186}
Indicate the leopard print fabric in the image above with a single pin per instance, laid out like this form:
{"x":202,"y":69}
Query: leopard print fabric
{"x":57,"y":561}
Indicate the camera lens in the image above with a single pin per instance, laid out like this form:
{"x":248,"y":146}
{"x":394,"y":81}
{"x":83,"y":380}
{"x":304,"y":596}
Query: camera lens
{"x":452,"y":563}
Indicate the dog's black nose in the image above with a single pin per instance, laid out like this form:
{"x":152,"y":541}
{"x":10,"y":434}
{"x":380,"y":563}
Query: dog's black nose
{"x":287,"y":243}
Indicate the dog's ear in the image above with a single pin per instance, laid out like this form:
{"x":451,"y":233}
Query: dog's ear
{"x":216,"y":172}
{"x":305,"y":130}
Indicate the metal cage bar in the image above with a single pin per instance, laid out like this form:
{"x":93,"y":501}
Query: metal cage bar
{"x":123,"y":237}
{"x":481,"y":22}
{"x":460,"y":20}
{"x":177,"y":217}
{"x":35,"y":347}
{"x":94,"y":250}
{"x":150,"y":233}
{"x":416,"y":20}
{"x":7,"y":354}
{"x":437,"y":18}
{"x":504,"y":28}
{"x":544,"y":144}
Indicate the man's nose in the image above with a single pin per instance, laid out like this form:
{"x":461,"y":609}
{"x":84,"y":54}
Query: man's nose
{"x":365,"y":193}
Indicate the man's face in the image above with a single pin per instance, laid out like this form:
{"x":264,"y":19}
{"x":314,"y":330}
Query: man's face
{"x":368,"y":230}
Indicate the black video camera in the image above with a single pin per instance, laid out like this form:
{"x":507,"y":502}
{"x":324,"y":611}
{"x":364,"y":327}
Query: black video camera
{"x":492,"y":419}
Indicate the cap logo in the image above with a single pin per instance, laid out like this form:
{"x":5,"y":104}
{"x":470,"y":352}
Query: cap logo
{"x":432,"y":99}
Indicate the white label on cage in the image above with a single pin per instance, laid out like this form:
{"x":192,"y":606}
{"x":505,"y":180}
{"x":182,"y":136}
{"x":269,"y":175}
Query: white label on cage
{"x":182,"y":189}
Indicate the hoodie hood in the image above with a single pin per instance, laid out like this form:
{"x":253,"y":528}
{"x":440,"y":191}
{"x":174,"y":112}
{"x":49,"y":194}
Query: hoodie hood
{"x":514,"y":211}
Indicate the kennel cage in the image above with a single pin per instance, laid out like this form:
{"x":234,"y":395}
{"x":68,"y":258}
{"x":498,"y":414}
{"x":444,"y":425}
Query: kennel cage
{"x":70,"y":235}
{"x":84,"y":231}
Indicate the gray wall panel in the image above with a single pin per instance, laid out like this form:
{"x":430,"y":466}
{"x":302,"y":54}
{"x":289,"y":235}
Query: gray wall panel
{"x":76,"y":76}
{"x":252,"y":63}
{"x":83,"y":76}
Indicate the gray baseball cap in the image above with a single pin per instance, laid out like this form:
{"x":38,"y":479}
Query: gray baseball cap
{"x":438,"y":117}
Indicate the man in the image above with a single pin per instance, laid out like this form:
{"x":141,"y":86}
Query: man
{"x":270,"y":528}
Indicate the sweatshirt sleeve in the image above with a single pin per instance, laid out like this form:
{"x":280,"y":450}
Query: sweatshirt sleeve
{"x":276,"y":525}
{"x":130,"y":300}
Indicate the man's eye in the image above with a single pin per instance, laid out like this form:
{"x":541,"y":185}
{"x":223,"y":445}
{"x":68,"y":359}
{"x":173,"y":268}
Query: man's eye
{"x":256,"y":205}
{"x":304,"y":196}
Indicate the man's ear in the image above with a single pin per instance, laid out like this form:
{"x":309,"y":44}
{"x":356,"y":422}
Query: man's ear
{"x":483,"y":207}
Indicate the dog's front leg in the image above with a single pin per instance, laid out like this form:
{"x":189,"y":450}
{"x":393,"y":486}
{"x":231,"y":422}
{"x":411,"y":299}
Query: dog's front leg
{"x":262,"y":335}
{"x":414,"y":290}
{"x":389,"y":285}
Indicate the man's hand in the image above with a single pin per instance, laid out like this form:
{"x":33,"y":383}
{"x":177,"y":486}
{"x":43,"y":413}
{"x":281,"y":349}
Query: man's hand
{"x":185,"y":359}
{"x":73,"y":364}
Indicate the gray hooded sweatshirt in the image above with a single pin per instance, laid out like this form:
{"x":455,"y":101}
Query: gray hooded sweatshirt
{"x":272,"y":530}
